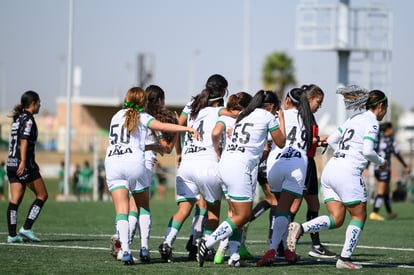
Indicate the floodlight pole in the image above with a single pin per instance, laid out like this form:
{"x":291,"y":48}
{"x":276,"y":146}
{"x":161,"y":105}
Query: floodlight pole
{"x":343,"y":55}
{"x":246,"y":46}
{"x":68,"y":102}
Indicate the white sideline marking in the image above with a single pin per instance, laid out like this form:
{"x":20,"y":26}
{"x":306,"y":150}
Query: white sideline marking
{"x":34,"y":244}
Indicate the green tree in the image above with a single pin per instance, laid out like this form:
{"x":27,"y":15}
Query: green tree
{"x":278,"y":73}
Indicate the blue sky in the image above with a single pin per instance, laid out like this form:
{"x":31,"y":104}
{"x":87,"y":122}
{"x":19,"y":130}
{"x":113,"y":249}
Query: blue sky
{"x":188,"y":40}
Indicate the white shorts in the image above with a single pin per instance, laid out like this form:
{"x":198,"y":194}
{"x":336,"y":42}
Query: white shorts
{"x":340,"y":182}
{"x":287,"y":175}
{"x":224,"y":187}
{"x":198,"y":177}
{"x":239,"y":179}
{"x":130,"y":174}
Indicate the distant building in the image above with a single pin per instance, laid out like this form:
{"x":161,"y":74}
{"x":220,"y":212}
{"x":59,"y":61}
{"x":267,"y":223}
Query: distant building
{"x":91,"y":117}
{"x":405,"y":132}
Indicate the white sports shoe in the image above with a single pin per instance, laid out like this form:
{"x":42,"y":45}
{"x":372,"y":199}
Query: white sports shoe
{"x":121,"y":254}
{"x":343,"y":263}
{"x":294,"y":233}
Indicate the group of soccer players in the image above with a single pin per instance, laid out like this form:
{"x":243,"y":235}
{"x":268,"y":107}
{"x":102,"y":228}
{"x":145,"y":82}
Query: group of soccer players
{"x":222,"y":156}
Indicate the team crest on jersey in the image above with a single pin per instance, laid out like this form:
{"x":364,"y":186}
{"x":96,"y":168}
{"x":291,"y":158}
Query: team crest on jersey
{"x":28,"y":127}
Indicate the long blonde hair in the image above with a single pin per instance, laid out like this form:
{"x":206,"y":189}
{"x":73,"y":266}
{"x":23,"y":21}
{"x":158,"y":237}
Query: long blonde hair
{"x":135,"y":101}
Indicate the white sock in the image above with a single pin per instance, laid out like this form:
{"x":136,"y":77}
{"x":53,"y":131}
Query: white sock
{"x":317,"y":224}
{"x":351,"y":239}
{"x":122,"y":228}
{"x":223,"y":231}
{"x":144,"y":227}
{"x":172,"y":232}
{"x":198,"y":224}
{"x":133,"y":223}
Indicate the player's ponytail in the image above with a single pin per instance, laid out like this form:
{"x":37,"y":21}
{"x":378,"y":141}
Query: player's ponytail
{"x":299,"y":99}
{"x":27,"y":98}
{"x":260,"y":100}
{"x":135,"y":100}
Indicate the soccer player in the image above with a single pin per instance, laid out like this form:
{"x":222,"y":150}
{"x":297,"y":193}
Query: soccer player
{"x":125,"y":162}
{"x":22,"y":169}
{"x":386,"y":148}
{"x":140,"y":214}
{"x":286,"y":168}
{"x":214,"y":82}
{"x":310,"y":193}
{"x":197,"y":174}
{"x":221,"y":136}
{"x":343,"y":186}
{"x":241,"y":158}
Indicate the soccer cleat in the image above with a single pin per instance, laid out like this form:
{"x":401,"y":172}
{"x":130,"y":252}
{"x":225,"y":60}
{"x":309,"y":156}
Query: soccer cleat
{"x":234,"y":262}
{"x":28,"y":234}
{"x":391,"y":216}
{"x":211,"y":252}
{"x":144,"y":255}
{"x":115,"y":245}
{"x":375,"y":217}
{"x":127,"y":258}
{"x":321,"y":252}
{"x":267,"y":259}
{"x":244,"y":253}
{"x":295,"y":231}
{"x":347,"y":263}
{"x":121,"y":254}
{"x":15,"y":239}
{"x":166,"y":252}
{"x":192,"y":249}
{"x":201,"y":251}
{"x":291,"y":257}
{"x":219,"y":257}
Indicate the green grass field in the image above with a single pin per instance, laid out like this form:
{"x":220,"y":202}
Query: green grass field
{"x":75,"y":239}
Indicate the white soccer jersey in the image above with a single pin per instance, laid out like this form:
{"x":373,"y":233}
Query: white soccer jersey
{"x":341,"y":178}
{"x":294,"y":135}
{"x":124,"y":161}
{"x":249,"y":137}
{"x":286,"y":167}
{"x":349,"y":140}
{"x":151,"y":156}
{"x":228,"y":123}
{"x":204,"y":124}
{"x":198,"y":172}
{"x":187,"y":109}
{"x":122,"y":144}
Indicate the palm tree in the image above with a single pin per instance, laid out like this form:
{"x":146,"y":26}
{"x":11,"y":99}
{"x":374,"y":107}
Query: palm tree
{"x":278,"y":72}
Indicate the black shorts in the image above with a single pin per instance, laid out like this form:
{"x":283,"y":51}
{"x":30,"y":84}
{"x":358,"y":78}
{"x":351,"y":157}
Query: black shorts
{"x":383,"y":175}
{"x":311,"y":182}
{"x":30,"y":174}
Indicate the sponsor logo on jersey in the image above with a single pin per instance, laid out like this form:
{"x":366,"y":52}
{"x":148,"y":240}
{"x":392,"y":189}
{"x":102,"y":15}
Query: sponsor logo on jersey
{"x":118,"y":150}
